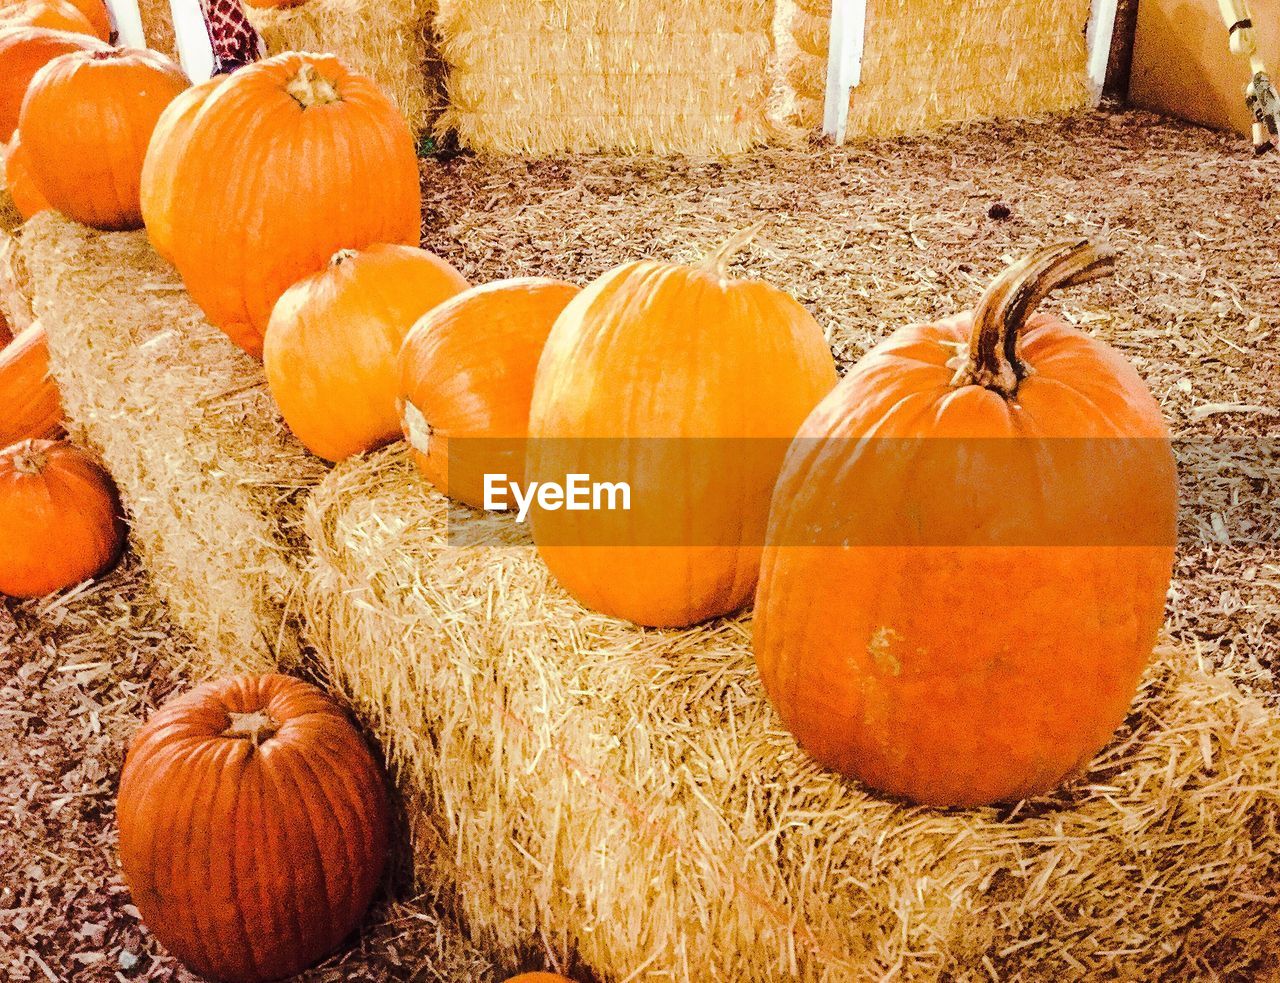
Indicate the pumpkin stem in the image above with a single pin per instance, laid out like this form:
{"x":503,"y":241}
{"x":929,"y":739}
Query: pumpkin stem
{"x":29,"y":459}
{"x":717,"y":261}
{"x":341,"y":256}
{"x":258,"y":726}
{"x":309,"y":88}
{"x":1007,"y":304}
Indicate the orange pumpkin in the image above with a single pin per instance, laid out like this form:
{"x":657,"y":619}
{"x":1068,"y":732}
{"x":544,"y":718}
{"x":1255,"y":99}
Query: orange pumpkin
{"x":60,"y":520}
{"x":23,"y":52}
{"x":56,"y":15}
{"x":684,"y":385}
{"x":466,"y":375}
{"x":969,"y":550}
{"x":27,"y":198}
{"x":273,"y":4}
{"x":29,"y":403}
{"x":253,"y":826}
{"x":86,"y":121}
{"x":539,"y":978}
{"x":331,"y":344}
{"x":157,"y":186}
{"x":322,"y":161}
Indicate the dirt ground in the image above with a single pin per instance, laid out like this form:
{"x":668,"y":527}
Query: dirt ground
{"x":868,"y":238}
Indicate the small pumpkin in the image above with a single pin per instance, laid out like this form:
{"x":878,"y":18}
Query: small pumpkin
{"x":539,"y":977}
{"x":684,"y":385}
{"x":94,"y":13}
{"x":969,"y":549}
{"x":312,"y":142}
{"x":56,"y":15}
{"x":30,"y":406}
{"x":23,"y":52}
{"x":253,"y":826}
{"x":27,"y":198}
{"x":466,"y":375}
{"x":86,"y":121}
{"x":60,"y":520}
{"x":331,"y":345}
{"x":156,"y":184}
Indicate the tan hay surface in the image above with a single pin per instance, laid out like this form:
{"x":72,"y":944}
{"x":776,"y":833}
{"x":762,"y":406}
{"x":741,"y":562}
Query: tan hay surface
{"x":628,"y":794}
{"x":10,"y":217}
{"x":930,"y":63}
{"x":553,"y":76}
{"x":390,"y":41}
{"x":209,"y":474}
{"x":157,"y":26}
{"x":15,"y":284}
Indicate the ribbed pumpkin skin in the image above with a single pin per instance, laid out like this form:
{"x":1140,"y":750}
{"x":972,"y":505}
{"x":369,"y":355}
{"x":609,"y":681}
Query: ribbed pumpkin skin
{"x":466,"y":371}
{"x":331,"y":345}
{"x":304,"y":182}
{"x":60,"y":520}
{"x":56,"y":15}
{"x":27,"y":198}
{"x":971,"y":645}
{"x":156,"y":184}
{"x":250,"y":861}
{"x":30,"y":406}
{"x":23,"y":52}
{"x":86,"y":122}
{"x":657,"y":350}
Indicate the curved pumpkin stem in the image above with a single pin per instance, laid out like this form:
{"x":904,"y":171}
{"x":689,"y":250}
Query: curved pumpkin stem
{"x":257,"y":727}
{"x":341,"y":256}
{"x":29,"y":459}
{"x":1009,"y":302}
{"x":310,"y":88}
{"x":717,"y":261}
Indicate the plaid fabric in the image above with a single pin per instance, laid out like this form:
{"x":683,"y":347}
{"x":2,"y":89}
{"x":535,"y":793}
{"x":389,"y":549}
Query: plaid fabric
{"x":235,"y":42}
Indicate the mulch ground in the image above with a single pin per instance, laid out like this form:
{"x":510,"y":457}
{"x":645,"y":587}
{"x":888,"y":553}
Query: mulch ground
{"x":868,"y":238}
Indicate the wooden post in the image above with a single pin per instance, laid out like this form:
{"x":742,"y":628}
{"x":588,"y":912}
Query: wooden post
{"x":191,"y":33}
{"x":844,"y":63}
{"x":127,"y":22}
{"x":1102,"y":26}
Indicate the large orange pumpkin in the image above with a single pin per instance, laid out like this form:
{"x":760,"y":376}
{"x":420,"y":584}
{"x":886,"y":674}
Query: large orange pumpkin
{"x":253,"y":826}
{"x":23,"y":52}
{"x":27,"y":198}
{"x":86,"y":122}
{"x":157,"y":185}
{"x":29,"y":402}
{"x":331,"y":344}
{"x":684,"y":385}
{"x":60,"y":520}
{"x":288,"y":161}
{"x":466,"y":381}
{"x":969,"y":550}
{"x":56,"y":15}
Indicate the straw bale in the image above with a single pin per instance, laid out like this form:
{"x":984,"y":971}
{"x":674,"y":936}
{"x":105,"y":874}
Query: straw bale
{"x":930,"y":63}
{"x":392,"y":42}
{"x":551,"y":76}
{"x":15,"y":284}
{"x":626,"y":795}
{"x":10,"y":217}
{"x":209,"y":474}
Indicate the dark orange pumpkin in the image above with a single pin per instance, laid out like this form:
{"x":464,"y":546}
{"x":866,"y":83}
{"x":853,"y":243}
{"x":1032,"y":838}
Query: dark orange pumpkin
{"x":253,"y":826}
{"x":157,"y":184}
{"x":331,"y":345}
{"x":322,"y":161}
{"x":30,"y":406}
{"x":56,"y":15}
{"x":27,"y":198}
{"x":969,"y":550}
{"x":23,"y":52}
{"x":60,"y":520}
{"x":466,"y":375}
{"x":684,"y":385}
{"x":86,"y":121}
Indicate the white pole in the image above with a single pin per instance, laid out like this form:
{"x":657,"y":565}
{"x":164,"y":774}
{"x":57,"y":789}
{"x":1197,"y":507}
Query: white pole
{"x":195,"y":50}
{"x":1102,"y":26}
{"x":128,"y":23}
{"x":844,"y":63}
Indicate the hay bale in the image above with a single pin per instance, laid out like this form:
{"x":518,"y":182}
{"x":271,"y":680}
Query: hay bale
{"x":557,"y":76}
{"x":209,"y":475}
{"x":15,"y":284}
{"x":10,"y":217}
{"x":627,"y":794}
{"x":931,"y":63}
{"x":393,"y":43}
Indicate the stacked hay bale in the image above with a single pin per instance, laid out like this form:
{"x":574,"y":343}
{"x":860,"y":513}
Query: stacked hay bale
{"x":556,"y":76}
{"x":392,"y":43}
{"x":627,"y":794}
{"x":928,"y":63}
{"x":209,"y":475}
